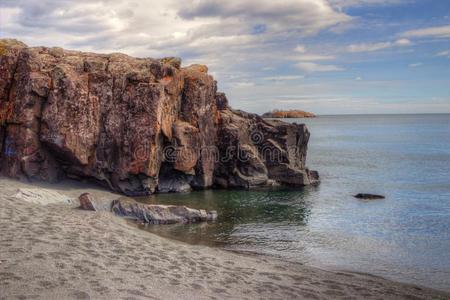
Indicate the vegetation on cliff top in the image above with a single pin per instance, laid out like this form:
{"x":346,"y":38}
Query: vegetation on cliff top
{"x":293,"y":113}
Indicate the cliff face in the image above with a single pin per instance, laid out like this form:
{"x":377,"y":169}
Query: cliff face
{"x":137,"y":125}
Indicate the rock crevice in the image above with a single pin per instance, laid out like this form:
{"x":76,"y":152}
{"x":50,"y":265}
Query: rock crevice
{"x":136,"y":125}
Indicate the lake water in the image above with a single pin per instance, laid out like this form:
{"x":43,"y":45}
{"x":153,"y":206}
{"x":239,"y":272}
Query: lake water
{"x":405,"y":237}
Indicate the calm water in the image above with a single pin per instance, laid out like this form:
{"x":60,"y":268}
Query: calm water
{"x":405,"y":237}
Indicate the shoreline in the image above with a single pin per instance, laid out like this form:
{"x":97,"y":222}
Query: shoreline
{"x":57,"y":251}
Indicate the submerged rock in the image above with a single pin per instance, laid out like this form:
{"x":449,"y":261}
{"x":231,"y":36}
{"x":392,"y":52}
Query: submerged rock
{"x":369,"y":196}
{"x":135,"y":125}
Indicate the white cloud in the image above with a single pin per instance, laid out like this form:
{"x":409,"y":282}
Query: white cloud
{"x":349,"y":3}
{"x":284,"y":78}
{"x":444,"y":53}
{"x":435,"y":32}
{"x":415,"y":65}
{"x":370,"y":47}
{"x":365,"y":47}
{"x":214,"y":31}
{"x":300,"y":49}
{"x":402,"y":42}
{"x":305,"y":16}
{"x":311,"y":67}
{"x":311,"y":57}
{"x":243,"y":84}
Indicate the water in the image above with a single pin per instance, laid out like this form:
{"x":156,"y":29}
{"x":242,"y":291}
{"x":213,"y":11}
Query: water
{"x":405,"y":237}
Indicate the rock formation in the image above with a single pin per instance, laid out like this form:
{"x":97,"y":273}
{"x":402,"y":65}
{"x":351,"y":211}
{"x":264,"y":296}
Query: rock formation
{"x":146,"y":213}
{"x":137,"y":125}
{"x":293,"y":113}
{"x":157,"y":214}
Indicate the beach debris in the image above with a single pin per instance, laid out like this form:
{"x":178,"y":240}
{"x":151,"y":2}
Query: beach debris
{"x":160,"y":214}
{"x":41,"y":196}
{"x":368,"y":196}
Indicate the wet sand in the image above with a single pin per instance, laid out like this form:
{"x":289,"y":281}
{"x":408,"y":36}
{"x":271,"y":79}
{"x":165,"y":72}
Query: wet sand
{"x":57,"y":251}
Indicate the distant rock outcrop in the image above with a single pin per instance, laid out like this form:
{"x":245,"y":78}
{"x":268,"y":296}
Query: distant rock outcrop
{"x":137,"y":125}
{"x":294,"y":113}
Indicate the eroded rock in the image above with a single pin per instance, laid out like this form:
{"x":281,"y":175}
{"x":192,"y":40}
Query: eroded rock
{"x":160,"y":214}
{"x":137,"y":126}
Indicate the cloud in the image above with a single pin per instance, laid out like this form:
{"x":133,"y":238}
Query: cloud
{"x":300,"y":49}
{"x":350,"y":3}
{"x":370,"y":47}
{"x":311,"y":67}
{"x":255,"y":29}
{"x":435,"y":32}
{"x":312,"y":57}
{"x":444,"y":53}
{"x":365,"y":47}
{"x":402,"y":42}
{"x":243,"y":84}
{"x":415,"y":65}
{"x":284,"y":78}
{"x":304,"y":16}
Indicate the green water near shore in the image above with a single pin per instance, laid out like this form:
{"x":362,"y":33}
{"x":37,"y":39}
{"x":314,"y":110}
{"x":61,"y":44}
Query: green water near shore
{"x":234,"y":207}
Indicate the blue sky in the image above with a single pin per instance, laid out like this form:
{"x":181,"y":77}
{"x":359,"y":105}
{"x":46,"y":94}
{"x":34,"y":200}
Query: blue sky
{"x":325,"y":56}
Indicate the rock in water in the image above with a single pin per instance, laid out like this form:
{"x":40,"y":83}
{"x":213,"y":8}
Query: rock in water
{"x":136,"y":125}
{"x":369,"y":196}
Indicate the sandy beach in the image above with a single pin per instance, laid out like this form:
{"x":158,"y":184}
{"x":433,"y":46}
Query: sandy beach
{"x":57,"y":251}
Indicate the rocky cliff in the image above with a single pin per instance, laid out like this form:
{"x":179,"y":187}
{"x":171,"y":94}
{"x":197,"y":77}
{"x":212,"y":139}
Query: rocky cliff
{"x":136,"y":125}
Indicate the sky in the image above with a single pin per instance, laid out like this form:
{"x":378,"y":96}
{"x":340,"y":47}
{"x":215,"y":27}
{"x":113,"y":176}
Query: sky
{"x":323,"y":56}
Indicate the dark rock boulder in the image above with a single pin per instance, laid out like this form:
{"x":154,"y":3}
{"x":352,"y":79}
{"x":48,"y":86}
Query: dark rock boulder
{"x":135,"y":125}
{"x":86,"y":202}
{"x":368,"y":196}
{"x":89,"y":202}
